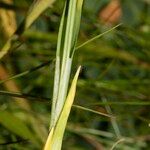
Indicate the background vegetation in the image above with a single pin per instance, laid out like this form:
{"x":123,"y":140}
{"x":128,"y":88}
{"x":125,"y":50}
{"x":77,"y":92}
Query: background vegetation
{"x":114,"y":77}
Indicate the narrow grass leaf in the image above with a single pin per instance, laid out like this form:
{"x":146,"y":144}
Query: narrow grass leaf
{"x":118,"y":142}
{"x":60,"y":44}
{"x":68,"y":32}
{"x":70,"y":10}
{"x":48,"y":145}
{"x":98,"y":36}
{"x":94,"y":111}
{"x":54,"y":141}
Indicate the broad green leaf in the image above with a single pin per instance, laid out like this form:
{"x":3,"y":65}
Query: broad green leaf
{"x":55,"y":138}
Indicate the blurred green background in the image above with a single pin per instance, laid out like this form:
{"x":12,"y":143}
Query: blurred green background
{"x":114,"y":77}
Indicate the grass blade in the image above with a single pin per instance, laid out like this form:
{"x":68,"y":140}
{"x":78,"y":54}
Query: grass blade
{"x":93,"y":111}
{"x":98,"y":36}
{"x":55,"y":137}
{"x":68,"y":32}
{"x":60,"y":44}
{"x":118,"y":142}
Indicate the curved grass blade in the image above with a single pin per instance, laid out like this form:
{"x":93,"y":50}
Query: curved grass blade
{"x":55,"y":137}
{"x":49,"y":140}
{"x":118,"y":142}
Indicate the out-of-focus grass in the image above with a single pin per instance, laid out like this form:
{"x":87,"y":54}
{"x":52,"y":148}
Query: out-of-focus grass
{"x":114,"y":67}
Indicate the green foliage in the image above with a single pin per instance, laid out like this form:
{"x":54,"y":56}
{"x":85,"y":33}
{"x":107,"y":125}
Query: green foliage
{"x":114,"y":80}
{"x":15,"y":125}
